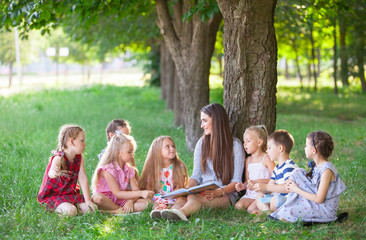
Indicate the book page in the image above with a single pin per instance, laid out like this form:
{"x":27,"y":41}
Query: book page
{"x":200,"y":188}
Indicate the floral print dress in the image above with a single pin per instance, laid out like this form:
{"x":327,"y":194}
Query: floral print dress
{"x":166,"y":186}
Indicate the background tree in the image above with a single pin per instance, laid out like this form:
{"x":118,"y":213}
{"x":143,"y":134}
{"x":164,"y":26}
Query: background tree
{"x":250,"y":74}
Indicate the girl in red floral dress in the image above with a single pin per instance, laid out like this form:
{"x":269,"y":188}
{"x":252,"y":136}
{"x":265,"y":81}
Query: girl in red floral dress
{"x":163,"y":173}
{"x":60,"y":191}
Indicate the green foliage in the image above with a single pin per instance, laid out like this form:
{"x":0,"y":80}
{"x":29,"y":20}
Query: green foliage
{"x":205,"y":9}
{"x":29,"y":126}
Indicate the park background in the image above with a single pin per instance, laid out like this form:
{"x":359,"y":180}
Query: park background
{"x":117,"y":66}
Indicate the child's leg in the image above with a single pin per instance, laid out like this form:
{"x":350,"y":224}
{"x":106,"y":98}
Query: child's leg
{"x":179,"y":202}
{"x":244,"y":203}
{"x":141,"y":204}
{"x":196,"y":201}
{"x":68,"y":209}
{"x":253,"y":209}
{"x":273,"y":203}
{"x":261,"y":206}
{"x":104,"y":202}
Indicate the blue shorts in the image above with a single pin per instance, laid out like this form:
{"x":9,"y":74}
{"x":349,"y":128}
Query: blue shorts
{"x":268,"y":196}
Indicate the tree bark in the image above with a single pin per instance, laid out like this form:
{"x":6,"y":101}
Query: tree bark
{"x":178,"y":103}
{"x":163,"y":70}
{"x":191,"y":46}
{"x":335,"y":58}
{"x":250,"y":74}
{"x":343,"y":52}
{"x":169,"y":80}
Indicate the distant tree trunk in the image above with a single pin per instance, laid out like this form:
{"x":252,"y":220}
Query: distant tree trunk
{"x":298,"y":70}
{"x":335,"y":58}
{"x":219,"y":59}
{"x":250,"y":71}
{"x":344,"y":57}
{"x":360,"y":54}
{"x":319,"y":63}
{"x":309,"y":74}
{"x":169,"y":80}
{"x":191,"y":46}
{"x":163,"y":69}
{"x":178,"y":103}
{"x":313,"y":56}
{"x":287,"y":76}
{"x":10,"y":74}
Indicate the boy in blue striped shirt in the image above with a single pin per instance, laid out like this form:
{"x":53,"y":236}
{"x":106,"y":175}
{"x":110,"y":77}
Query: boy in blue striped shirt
{"x":273,"y":194}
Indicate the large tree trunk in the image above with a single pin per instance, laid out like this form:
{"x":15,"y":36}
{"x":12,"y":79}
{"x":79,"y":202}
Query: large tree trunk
{"x":343,"y":52}
{"x":335,"y":58}
{"x":191,"y":46}
{"x":178,"y":103}
{"x":163,"y":70}
{"x":250,"y":74}
{"x":170,"y":80}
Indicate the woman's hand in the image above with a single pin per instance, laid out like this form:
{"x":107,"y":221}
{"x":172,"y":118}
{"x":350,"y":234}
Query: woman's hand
{"x":147,"y":194}
{"x":259,"y":187}
{"x":212,"y":194}
{"x":291,"y":186}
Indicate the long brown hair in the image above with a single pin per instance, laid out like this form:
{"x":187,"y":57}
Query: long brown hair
{"x":150,"y":177}
{"x":218,"y":146}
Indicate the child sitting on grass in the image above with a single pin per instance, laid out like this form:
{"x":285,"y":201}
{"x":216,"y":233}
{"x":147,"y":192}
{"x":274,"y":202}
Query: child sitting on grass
{"x":273,"y":194}
{"x":112,"y":175}
{"x":314,"y":196}
{"x":258,"y":166}
{"x":163,"y":173}
{"x":60,"y":190}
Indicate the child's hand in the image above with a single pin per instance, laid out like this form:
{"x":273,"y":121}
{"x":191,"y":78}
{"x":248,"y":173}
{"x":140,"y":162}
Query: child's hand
{"x":147,"y":194}
{"x":91,"y":206}
{"x":128,"y":207}
{"x":250,"y":185}
{"x":259,"y":187}
{"x":239,"y":186}
{"x":291,"y":186}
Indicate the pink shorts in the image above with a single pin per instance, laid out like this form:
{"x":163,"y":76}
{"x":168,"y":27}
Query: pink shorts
{"x":119,"y":202}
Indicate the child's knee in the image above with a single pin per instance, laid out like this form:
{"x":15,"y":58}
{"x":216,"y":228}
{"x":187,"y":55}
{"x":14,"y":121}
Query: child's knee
{"x":239,"y":205}
{"x":98,"y":199}
{"x":67,"y":209}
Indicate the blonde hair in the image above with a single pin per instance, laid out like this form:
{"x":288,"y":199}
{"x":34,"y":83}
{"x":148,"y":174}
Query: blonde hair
{"x":150,"y":177}
{"x":261,"y":132}
{"x":112,"y":152}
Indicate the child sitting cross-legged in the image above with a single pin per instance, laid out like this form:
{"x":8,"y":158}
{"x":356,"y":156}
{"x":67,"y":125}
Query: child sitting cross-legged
{"x":112,"y":176}
{"x":273,"y":194}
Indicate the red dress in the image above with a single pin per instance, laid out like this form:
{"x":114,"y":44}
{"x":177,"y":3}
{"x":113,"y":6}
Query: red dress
{"x":55,"y":191}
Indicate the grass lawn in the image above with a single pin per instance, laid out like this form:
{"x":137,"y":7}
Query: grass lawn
{"x":29,"y":124}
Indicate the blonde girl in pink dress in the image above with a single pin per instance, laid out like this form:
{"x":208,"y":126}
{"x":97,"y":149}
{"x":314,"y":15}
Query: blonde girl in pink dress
{"x":113,"y":174}
{"x":258,"y":167}
{"x":163,"y":173}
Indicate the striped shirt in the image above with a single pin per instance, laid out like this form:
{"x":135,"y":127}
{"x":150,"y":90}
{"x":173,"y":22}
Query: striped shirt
{"x":282,"y":173}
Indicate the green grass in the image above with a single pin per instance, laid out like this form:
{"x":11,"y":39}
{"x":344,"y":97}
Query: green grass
{"x":29,"y":124}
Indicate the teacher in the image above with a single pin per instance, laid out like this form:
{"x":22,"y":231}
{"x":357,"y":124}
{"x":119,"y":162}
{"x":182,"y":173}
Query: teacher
{"x":218,"y":158}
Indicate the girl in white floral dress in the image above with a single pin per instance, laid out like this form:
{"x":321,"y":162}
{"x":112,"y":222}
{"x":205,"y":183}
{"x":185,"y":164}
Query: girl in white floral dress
{"x":163,"y":173}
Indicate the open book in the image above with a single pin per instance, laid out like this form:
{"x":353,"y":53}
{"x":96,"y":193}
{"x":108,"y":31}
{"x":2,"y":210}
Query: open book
{"x":192,"y":190}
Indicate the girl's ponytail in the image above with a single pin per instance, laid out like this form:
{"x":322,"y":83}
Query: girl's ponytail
{"x":311,"y":165}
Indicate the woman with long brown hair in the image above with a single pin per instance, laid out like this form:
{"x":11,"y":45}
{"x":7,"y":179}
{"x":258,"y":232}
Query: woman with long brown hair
{"x":218,"y":158}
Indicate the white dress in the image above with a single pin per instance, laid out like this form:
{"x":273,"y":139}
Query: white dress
{"x":256,"y":171}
